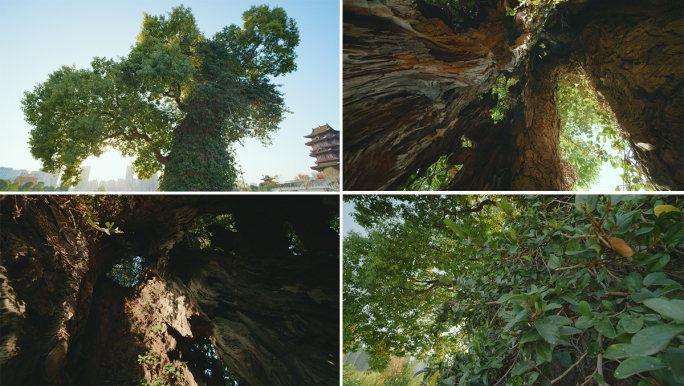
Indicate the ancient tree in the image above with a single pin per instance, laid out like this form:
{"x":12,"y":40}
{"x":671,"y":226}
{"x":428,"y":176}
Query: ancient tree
{"x":169,"y":290}
{"x":176,"y":102}
{"x":419,"y":77}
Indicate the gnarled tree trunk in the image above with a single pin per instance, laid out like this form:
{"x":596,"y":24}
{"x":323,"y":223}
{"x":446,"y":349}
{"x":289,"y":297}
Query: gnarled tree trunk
{"x":239,"y":294}
{"x":415,"y":88}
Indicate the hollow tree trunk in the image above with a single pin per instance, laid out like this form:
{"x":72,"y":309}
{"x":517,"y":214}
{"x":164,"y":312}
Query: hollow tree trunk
{"x":413,"y":90}
{"x":271,"y":316}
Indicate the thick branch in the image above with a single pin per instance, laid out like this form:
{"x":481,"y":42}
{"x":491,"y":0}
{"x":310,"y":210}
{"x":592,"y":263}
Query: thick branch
{"x":157,"y":154}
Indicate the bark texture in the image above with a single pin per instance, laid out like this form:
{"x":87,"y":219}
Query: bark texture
{"x":633,"y":52}
{"x":271,"y":316}
{"x":415,"y":89}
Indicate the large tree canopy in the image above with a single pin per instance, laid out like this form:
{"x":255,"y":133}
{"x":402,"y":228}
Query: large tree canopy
{"x":176,"y":102}
{"x":519,"y":290}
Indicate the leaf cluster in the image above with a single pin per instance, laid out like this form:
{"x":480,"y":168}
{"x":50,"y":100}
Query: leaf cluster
{"x":546,"y":295}
{"x":588,"y":127}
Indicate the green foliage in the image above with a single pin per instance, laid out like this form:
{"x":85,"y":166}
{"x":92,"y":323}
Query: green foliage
{"x":101,"y":188}
{"x":295,"y":244}
{"x":435,"y":176}
{"x":126,"y":271}
{"x":204,"y":227}
{"x":588,"y":126}
{"x":398,"y":373}
{"x":39,"y":187}
{"x":503,"y":100}
{"x":5,"y":185}
{"x":458,"y":10}
{"x":410,"y":248}
{"x":14,"y":187}
{"x":26,"y":187}
{"x":149,"y":358}
{"x":94,"y":222}
{"x":514,"y":299}
{"x":177,"y":102}
{"x":216,"y":372}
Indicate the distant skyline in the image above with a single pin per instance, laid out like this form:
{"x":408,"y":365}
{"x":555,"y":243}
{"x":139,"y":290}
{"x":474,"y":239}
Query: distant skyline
{"x":38,"y":37}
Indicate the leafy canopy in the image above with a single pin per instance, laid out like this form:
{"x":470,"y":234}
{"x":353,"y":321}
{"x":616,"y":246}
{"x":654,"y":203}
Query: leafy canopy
{"x":587,"y":126}
{"x":554,"y":281}
{"x":138,"y":103}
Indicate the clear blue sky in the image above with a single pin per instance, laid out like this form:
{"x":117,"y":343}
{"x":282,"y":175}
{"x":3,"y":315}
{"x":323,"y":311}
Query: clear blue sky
{"x":37,"y":37}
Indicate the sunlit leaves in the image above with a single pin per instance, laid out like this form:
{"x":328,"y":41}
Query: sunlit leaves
{"x":588,"y":130}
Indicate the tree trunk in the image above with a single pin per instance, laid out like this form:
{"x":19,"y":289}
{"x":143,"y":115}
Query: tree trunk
{"x":270,"y":315}
{"x":416,"y":89}
{"x":199,"y":159}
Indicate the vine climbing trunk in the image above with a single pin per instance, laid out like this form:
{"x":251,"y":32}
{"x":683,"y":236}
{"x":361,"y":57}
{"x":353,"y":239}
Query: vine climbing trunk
{"x":199,"y":159}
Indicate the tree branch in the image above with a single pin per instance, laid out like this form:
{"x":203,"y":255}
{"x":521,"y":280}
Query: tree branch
{"x":570,"y":368}
{"x":136,"y":135}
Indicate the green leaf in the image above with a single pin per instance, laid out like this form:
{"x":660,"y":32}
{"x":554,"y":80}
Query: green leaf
{"x":588,"y":201}
{"x":653,"y":339}
{"x":530,"y":336}
{"x":583,"y":322}
{"x":544,"y":351}
{"x":599,"y":378}
{"x":609,"y":305}
{"x":631,"y":324}
{"x":593,"y":349}
{"x":564,"y":358}
{"x":605,"y":328}
{"x":454,"y":227}
{"x":585,"y":310}
{"x":675,"y":357}
{"x":672,"y":308}
{"x":568,"y":331}
{"x":618,"y":351}
{"x":658,"y":278}
{"x":547,"y":329}
{"x":520,"y":368}
{"x":661,"y":263}
{"x":637,"y":365}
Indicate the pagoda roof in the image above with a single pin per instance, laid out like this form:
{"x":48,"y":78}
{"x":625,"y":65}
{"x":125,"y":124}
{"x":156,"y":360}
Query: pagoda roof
{"x":321,"y":129}
{"x":325,"y":165}
{"x":335,"y":149}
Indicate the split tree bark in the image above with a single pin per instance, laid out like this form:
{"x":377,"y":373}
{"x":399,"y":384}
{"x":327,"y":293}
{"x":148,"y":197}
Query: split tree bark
{"x":414,"y":88}
{"x":270,"y":315}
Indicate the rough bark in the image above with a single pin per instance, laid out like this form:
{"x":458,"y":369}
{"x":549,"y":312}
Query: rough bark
{"x":634,"y":55}
{"x":271,"y":316}
{"x":413,"y":89}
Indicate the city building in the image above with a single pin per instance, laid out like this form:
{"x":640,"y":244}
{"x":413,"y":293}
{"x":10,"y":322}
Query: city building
{"x":325,"y":147}
{"x":24,"y":176}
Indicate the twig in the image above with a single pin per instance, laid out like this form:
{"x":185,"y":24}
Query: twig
{"x":509,"y":370}
{"x":570,"y":368}
{"x":599,"y":359}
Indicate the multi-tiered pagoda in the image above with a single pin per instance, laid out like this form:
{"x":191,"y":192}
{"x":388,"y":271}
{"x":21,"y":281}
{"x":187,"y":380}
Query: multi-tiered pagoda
{"x":325,"y":147}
